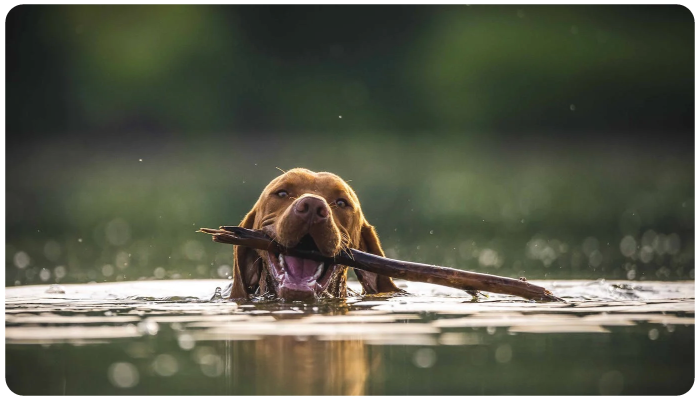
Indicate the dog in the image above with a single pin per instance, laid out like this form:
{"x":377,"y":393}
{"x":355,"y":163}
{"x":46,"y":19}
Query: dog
{"x":309,"y":210}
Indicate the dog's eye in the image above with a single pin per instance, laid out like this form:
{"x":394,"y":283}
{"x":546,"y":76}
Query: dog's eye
{"x":282,"y":194}
{"x":342,"y":203}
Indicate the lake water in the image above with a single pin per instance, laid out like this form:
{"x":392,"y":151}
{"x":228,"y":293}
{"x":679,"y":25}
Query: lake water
{"x":173,"y":337}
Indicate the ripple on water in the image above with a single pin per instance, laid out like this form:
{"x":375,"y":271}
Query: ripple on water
{"x":427,"y":317}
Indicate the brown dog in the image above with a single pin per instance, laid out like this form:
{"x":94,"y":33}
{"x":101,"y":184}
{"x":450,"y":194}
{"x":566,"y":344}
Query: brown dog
{"x":310,"y":210}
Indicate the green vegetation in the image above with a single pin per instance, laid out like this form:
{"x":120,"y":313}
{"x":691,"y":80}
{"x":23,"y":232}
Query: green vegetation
{"x":538,"y":141}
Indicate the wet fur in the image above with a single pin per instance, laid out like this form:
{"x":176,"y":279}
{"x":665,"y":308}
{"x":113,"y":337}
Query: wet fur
{"x":345,"y":228}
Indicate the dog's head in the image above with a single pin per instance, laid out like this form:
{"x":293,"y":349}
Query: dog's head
{"x":309,"y":210}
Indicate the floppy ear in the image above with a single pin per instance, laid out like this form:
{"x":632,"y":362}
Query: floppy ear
{"x":371,"y":282}
{"x":246,"y":268}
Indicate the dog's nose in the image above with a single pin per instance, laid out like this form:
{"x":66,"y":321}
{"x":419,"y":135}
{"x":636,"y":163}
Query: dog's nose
{"x":312,"y":208}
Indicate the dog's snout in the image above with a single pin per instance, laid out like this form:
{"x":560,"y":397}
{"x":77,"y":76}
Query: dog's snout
{"x":312,"y":208}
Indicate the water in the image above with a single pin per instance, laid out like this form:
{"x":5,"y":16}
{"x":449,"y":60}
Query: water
{"x":171,"y":338}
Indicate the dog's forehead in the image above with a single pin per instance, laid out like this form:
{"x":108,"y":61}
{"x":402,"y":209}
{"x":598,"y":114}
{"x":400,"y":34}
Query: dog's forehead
{"x":303,"y":178}
{"x":306,"y":180}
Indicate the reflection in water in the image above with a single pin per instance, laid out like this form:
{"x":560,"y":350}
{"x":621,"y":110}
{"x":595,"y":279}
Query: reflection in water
{"x":302,"y":364}
{"x":281,"y":365}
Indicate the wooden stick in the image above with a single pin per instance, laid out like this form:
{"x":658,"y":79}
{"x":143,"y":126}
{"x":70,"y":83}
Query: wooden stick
{"x":410,"y":271}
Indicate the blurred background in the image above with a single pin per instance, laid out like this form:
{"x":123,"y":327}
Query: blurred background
{"x":541,"y":141}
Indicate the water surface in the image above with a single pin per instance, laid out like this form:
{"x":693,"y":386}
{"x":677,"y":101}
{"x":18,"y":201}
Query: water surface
{"x":176,"y":337}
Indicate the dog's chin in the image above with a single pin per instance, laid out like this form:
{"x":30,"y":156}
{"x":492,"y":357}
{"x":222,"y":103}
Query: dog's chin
{"x":299,"y":278}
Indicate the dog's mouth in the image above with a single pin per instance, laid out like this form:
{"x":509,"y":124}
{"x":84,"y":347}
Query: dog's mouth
{"x":300,"y":278}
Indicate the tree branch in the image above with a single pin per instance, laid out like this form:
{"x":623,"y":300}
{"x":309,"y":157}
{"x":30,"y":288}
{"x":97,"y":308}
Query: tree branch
{"x":410,"y":271}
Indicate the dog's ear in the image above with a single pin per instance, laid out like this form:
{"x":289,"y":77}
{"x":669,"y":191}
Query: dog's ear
{"x":371,"y":282}
{"x":246,"y":266}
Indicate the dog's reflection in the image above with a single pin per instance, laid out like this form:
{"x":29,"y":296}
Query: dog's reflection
{"x":287,"y":365}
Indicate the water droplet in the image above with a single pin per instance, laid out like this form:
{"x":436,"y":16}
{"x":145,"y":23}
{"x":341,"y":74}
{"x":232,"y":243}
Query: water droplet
{"x":504,"y":353}
{"x":211,"y":365}
{"x":123,"y":375}
{"x":194,"y":250}
{"x":628,"y":246}
{"x":165,"y":365}
{"x":646,"y":254}
{"x":186,"y":341}
{"x":52,"y":250}
{"x":44,"y":274}
{"x":21,"y":260}
{"x":224,"y":270}
{"x":489,"y":258}
{"x":653,"y":334}
{"x":148,"y":327}
{"x":424,"y":358}
{"x":107,"y":270}
{"x":159,"y":273}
